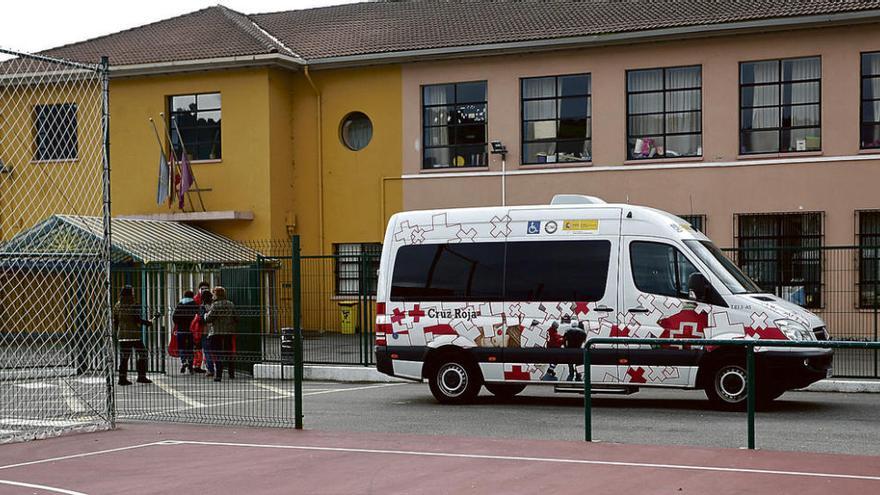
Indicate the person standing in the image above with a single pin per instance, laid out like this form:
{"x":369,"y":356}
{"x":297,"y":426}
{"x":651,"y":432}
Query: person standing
{"x":197,"y":327}
{"x":127,"y":323}
{"x":207,"y":300}
{"x":222,"y":322}
{"x":183,"y":316}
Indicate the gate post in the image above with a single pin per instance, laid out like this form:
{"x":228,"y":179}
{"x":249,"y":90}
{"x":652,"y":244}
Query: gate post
{"x":296,"y":281}
{"x":362,"y":306}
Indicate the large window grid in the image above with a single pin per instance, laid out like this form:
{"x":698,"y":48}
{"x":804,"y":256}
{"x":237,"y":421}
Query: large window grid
{"x":868,"y":239}
{"x":454,"y":118}
{"x":348,"y":267}
{"x":664,"y":112}
{"x":782,"y":253}
{"x":870,"y":111}
{"x":780,"y":105}
{"x":556,"y":119}
{"x":198,"y":119}
{"x":55,"y":132}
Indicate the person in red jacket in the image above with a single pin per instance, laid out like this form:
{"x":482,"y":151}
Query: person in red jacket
{"x":197,"y":328}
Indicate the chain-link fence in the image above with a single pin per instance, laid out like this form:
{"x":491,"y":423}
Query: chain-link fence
{"x":55,"y":346}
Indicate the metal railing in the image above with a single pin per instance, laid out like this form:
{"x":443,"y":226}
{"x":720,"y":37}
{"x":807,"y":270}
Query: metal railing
{"x":751,"y":375}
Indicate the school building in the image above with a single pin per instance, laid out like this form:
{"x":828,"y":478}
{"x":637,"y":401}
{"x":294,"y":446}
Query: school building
{"x":756,"y":120}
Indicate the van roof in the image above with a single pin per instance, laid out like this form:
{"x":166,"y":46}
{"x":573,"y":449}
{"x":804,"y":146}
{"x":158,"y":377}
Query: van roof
{"x":671,"y":224}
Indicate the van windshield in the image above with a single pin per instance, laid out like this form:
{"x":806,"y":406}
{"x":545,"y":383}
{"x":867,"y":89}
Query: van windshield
{"x":730,"y":274}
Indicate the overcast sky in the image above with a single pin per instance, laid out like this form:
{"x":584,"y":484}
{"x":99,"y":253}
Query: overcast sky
{"x":39,"y":24}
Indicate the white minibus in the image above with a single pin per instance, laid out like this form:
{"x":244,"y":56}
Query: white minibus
{"x":505,"y":297}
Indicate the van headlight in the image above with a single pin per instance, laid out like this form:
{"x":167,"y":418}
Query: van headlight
{"x":794,"y":330}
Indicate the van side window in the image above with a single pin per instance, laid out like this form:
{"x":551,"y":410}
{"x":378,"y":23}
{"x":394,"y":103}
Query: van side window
{"x":556,"y":270}
{"x":448,"y":272}
{"x":660,"y":269}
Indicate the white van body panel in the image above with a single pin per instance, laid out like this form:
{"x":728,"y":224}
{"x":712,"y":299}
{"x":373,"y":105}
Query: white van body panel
{"x":520,"y":340}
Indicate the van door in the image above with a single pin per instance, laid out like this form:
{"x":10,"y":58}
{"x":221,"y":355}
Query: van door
{"x":559,"y":291}
{"x":655,"y":303}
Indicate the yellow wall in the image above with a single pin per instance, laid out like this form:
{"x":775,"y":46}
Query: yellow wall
{"x":270,"y":158}
{"x":240,"y":181}
{"x":351,"y":179}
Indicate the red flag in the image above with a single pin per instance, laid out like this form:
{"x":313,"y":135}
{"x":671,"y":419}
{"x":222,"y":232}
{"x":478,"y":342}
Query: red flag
{"x":186,"y":180}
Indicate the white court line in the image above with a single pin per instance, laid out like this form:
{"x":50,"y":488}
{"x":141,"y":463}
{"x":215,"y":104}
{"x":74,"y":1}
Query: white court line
{"x":83,"y":454}
{"x":535,"y":459}
{"x":183,"y":398}
{"x":351,"y":389}
{"x":41,"y":487}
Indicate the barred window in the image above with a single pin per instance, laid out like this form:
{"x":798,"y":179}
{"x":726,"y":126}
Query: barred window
{"x":698,"y":222}
{"x":870,"y":120}
{"x":781,"y":252}
{"x":454,"y":125}
{"x":780,"y":105}
{"x":348,"y":267}
{"x":869,"y":258}
{"x":55,"y":132}
{"x":664,"y":112}
{"x":198,"y":119}
{"x":556,"y":119}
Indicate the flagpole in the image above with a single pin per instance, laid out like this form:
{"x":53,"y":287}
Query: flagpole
{"x":161,"y":149}
{"x":183,"y":151}
{"x":175,"y":160}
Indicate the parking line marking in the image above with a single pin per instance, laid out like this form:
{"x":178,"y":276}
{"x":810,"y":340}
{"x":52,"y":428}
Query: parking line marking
{"x":539,"y":459}
{"x":41,"y":487}
{"x":351,"y":389}
{"x":271,"y":388}
{"x":183,"y":398}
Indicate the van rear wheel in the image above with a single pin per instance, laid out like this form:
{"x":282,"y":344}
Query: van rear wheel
{"x":504,"y":390}
{"x":455,"y":382}
{"x":728,"y":389}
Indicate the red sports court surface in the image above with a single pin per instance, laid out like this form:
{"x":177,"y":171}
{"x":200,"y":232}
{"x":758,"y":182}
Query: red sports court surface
{"x":152,"y":458}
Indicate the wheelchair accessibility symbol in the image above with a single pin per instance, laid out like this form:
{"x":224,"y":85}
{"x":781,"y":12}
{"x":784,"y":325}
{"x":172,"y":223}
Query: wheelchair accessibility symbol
{"x":534,"y":227}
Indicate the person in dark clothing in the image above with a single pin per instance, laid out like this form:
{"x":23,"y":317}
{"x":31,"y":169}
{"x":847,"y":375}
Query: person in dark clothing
{"x":574,"y":338}
{"x":127,"y":323}
{"x":207,"y":300}
{"x":183,"y":316}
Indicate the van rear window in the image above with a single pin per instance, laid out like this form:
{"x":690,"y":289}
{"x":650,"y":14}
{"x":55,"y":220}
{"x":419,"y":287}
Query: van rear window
{"x":495,"y":271}
{"x":448,"y":272}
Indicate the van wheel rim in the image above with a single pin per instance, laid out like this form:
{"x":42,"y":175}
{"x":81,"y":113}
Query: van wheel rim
{"x":452,"y":379}
{"x":731,"y":383}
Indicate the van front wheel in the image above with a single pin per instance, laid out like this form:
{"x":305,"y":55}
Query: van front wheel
{"x":455,"y":382}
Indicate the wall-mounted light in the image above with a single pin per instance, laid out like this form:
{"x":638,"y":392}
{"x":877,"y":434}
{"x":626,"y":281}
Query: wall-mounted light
{"x":498,"y":148}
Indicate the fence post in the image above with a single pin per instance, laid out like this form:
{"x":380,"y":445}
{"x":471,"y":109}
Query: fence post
{"x":750,"y":398}
{"x":588,"y":399}
{"x":875,"y":301}
{"x":296,"y":281}
{"x":363,"y":308}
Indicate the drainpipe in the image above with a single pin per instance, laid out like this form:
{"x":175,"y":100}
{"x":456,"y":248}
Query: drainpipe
{"x":320,"y":157}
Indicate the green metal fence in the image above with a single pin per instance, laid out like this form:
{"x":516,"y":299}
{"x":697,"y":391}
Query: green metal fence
{"x":751,"y":374}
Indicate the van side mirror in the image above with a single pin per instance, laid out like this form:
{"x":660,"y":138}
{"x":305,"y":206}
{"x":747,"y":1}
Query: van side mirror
{"x":698,"y":287}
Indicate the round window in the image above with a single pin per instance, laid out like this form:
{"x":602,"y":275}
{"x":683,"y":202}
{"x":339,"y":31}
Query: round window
{"x":356,"y":131}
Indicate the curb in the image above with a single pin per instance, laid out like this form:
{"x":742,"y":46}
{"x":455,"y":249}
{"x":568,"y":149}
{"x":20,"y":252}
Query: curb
{"x":842,"y":385}
{"x":363,"y":374}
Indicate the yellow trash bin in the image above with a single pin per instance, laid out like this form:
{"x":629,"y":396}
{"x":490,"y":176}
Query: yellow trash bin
{"x":347,"y":316}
